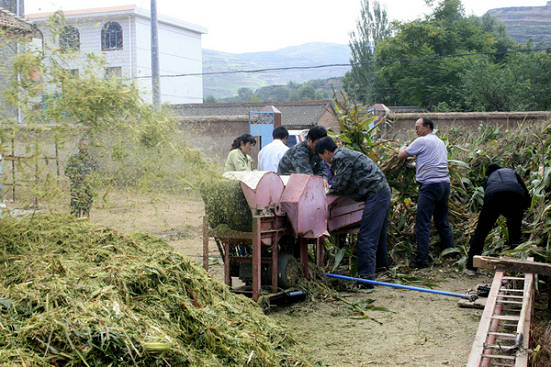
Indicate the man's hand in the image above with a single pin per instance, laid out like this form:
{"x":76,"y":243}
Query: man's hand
{"x":402,"y":153}
{"x":326,"y":184}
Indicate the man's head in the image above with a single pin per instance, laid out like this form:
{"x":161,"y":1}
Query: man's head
{"x":83,"y":145}
{"x":280,"y":133}
{"x":315,"y":134}
{"x":325,"y":148}
{"x":492,"y":167}
{"x":424,"y":126}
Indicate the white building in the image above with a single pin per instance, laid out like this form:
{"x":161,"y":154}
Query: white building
{"x":122,"y":35}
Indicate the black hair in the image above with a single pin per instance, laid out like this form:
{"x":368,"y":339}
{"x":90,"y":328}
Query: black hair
{"x":245,"y":138}
{"x":326,"y":143}
{"x":317,"y":132}
{"x":492,"y":167}
{"x":280,"y":133}
{"x":428,"y":122}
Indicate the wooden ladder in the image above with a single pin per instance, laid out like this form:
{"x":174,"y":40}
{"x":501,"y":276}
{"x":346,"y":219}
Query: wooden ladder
{"x":504,"y":330}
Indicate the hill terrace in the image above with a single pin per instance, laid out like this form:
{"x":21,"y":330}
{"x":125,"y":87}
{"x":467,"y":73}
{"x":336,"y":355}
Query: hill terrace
{"x":526,"y":22}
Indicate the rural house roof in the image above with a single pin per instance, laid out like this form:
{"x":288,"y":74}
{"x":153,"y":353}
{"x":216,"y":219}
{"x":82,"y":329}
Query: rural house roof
{"x":299,"y":114}
{"x":13,"y":23}
{"x":119,"y":10}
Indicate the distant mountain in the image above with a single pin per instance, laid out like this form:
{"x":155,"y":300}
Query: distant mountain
{"x":526,"y":22}
{"x":310,"y":54}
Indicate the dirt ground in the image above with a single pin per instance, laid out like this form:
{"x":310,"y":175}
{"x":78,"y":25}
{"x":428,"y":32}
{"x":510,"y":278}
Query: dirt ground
{"x":420,"y":330}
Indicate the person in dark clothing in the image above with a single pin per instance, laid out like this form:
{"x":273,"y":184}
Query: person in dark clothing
{"x":79,"y":169}
{"x":301,"y":158}
{"x":504,"y":194}
{"x":357,"y":176}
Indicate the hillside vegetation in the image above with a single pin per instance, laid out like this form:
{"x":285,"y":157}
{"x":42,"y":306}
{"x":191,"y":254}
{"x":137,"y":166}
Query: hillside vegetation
{"x":318,"y":53}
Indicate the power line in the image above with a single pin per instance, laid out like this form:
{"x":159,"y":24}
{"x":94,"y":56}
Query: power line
{"x":389,"y":61}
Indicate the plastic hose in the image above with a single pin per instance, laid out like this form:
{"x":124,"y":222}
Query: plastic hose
{"x":427,"y":290}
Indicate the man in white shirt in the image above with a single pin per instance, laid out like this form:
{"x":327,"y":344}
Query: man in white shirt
{"x":270,"y":155}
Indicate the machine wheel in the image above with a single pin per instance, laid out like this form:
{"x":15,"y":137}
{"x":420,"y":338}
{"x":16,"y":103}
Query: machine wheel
{"x":289,"y":271}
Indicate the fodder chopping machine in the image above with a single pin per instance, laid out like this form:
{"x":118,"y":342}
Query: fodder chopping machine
{"x":288,"y":213}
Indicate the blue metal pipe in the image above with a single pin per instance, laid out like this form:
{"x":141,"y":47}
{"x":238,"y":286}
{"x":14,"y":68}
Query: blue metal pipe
{"x":375,"y":282}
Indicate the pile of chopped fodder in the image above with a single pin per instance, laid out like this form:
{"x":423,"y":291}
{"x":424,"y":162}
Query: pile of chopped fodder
{"x":540,"y":340}
{"x":73,"y":294}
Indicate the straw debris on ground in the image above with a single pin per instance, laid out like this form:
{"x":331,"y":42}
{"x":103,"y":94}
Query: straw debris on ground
{"x":74,"y":294}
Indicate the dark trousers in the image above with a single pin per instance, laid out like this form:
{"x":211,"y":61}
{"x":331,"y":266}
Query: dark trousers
{"x":432,"y":202}
{"x":372,"y":251}
{"x":508,"y":204}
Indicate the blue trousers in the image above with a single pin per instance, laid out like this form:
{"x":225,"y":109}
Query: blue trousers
{"x":372,"y":250}
{"x":432,"y":201}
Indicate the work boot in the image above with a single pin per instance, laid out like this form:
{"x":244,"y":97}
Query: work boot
{"x":362,"y":285}
{"x":416,"y":264}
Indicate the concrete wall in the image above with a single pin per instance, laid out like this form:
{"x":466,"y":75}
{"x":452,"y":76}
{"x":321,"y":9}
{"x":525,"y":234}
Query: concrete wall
{"x":213,"y":135}
{"x":470,"y":120}
{"x":328,"y":120}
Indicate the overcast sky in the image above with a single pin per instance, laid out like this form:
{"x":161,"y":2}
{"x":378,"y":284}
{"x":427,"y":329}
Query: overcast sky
{"x":261,"y":25}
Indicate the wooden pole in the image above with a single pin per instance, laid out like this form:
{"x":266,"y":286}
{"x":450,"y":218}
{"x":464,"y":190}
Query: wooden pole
{"x":205,"y":244}
{"x":13,"y":169}
{"x":35,"y":198}
{"x":56,"y":157}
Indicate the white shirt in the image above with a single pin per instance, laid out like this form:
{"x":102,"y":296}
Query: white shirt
{"x":270,"y":155}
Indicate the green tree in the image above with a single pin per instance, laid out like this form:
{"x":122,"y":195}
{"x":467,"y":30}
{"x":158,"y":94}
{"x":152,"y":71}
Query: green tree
{"x":306,"y":93}
{"x":245,"y":93}
{"x":372,"y":27}
{"x":415,"y":68}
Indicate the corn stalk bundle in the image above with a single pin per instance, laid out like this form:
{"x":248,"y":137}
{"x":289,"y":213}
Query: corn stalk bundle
{"x":225,"y":205}
{"x":72,"y":294}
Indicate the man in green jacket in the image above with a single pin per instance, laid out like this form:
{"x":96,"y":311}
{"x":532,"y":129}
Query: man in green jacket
{"x":357,"y":176}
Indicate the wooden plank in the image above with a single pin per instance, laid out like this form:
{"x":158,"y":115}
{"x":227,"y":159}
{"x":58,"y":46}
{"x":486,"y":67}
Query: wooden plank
{"x":512,"y":265}
{"x":509,"y":296}
{"x":511,"y":290}
{"x":503,"y":335}
{"x":506,"y":317}
{"x":484,"y":326}
{"x":525,"y":320}
{"x":510,"y":302}
{"x":496,"y":356}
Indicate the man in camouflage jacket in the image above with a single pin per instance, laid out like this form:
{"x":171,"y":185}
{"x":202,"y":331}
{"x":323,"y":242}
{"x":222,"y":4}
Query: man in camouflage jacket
{"x":302,"y":158}
{"x":356,"y":176}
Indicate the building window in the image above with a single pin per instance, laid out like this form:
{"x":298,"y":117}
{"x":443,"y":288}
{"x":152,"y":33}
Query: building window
{"x":113,"y":72}
{"x":69,"y":39}
{"x":74,"y":73}
{"x":111,"y":36}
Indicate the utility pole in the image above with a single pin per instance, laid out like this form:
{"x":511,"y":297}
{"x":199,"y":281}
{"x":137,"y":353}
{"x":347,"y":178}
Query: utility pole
{"x":20,"y":8}
{"x":155,"y":80}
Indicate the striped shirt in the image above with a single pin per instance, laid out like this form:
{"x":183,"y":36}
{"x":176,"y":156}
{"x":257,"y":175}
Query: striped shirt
{"x":432,"y":159}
